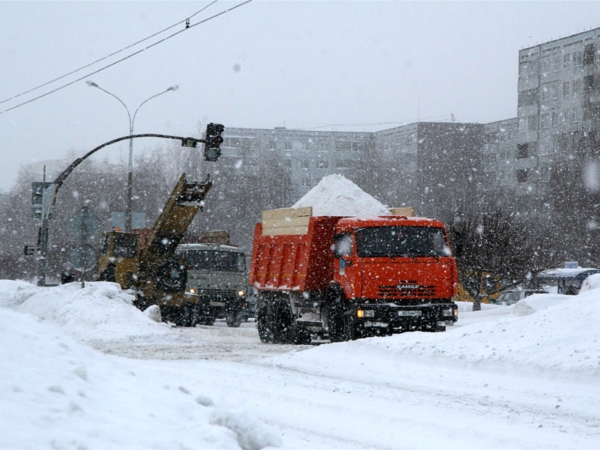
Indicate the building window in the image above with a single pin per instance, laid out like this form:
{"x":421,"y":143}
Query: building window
{"x":532,"y":122}
{"x":588,"y":54}
{"x":556,"y":64}
{"x":306,"y":180}
{"x":522,"y":124}
{"x":322,"y":164}
{"x":528,"y":97}
{"x":343,"y":146}
{"x":545,"y":92}
{"x":522,"y":176}
{"x":305,"y":163}
{"x":545,"y":67}
{"x":576,"y":88}
{"x":555,"y":121}
{"x":545,"y":174}
{"x":522,"y":151}
{"x":567,"y":61}
{"x":576,"y":115}
{"x":545,"y":122}
{"x":359,"y":146}
{"x":566,"y":89}
{"x":577,"y":59}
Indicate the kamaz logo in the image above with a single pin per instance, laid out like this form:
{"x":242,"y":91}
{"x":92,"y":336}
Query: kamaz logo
{"x":408,"y":286}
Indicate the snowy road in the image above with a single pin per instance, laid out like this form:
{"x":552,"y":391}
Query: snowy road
{"x":352,"y":399}
{"x":519,"y":377}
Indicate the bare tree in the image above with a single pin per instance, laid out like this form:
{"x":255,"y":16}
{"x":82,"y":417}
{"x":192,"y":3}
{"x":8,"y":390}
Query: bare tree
{"x":495,"y":251}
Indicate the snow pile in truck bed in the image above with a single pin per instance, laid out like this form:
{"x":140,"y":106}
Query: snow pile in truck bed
{"x":335,"y":195}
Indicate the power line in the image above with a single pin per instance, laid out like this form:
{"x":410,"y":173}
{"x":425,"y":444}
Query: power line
{"x":107,"y":56}
{"x":187,"y":27}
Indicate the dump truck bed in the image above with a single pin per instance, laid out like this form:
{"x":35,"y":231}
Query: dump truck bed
{"x":293,"y":253}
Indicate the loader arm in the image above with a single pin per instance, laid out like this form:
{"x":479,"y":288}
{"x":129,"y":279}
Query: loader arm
{"x":173,"y":222}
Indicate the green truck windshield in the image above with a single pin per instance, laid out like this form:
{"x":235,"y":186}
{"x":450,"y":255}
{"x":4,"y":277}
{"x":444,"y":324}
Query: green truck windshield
{"x":215,"y":260}
{"x":401,"y":241}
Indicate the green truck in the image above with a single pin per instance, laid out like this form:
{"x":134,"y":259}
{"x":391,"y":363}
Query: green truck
{"x":217,"y":279}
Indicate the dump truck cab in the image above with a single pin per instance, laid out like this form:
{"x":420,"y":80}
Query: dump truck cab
{"x":391,"y":268}
{"x":216,"y":281}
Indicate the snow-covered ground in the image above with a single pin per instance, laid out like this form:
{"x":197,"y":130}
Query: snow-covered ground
{"x":83,"y":368}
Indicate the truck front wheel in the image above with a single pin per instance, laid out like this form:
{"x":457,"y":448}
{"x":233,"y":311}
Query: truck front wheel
{"x":350,"y":332}
{"x":336,"y":322}
{"x":233,"y":319}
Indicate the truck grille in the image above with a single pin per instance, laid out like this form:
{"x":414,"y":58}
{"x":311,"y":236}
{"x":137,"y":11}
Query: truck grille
{"x":412,"y":292}
{"x":224,"y":293}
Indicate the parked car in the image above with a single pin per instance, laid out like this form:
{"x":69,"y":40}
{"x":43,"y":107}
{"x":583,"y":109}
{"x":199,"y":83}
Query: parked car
{"x":568,"y":280}
{"x":512,"y":296}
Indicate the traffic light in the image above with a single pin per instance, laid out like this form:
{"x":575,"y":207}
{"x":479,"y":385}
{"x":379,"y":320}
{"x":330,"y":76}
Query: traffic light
{"x":212,"y":147}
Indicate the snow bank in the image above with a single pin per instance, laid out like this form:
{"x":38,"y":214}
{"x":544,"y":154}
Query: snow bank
{"x":59,"y":393}
{"x":338,"y":196}
{"x":591,"y":282}
{"x":101,"y":310}
{"x":553,"y":333}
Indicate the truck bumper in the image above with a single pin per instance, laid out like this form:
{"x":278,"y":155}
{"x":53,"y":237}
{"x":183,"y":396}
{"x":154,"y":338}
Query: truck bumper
{"x":216,"y":306}
{"x":389,"y":315}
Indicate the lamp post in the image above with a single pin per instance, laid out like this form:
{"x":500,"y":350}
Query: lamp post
{"x":129,"y":211}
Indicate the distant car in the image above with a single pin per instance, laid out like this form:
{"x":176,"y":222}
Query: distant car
{"x":514,"y":295}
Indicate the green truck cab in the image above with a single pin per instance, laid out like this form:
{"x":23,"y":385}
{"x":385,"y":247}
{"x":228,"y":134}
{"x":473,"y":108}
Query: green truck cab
{"x":217,"y":281}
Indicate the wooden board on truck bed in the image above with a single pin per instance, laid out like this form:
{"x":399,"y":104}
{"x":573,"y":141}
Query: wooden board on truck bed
{"x":286,"y":221}
{"x":406,"y":211}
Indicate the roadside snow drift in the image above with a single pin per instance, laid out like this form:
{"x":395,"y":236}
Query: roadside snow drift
{"x":58,"y":393}
{"x":521,"y":376}
{"x":549,"y":332}
{"x":335,"y":195}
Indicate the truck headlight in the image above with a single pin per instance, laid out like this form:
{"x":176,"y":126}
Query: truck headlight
{"x":360,"y":313}
{"x":448,"y":312}
{"x":241,"y":293}
{"x":192,"y":291}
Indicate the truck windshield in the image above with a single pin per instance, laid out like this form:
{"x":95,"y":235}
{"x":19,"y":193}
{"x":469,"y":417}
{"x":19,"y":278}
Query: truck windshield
{"x":215,"y":260}
{"x":401,"y":241}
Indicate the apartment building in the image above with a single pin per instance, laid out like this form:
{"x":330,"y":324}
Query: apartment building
{"x":558,"y":114}
{"x":558,"y":106}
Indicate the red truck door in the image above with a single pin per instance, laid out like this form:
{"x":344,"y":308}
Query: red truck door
{"x":347,"y":265}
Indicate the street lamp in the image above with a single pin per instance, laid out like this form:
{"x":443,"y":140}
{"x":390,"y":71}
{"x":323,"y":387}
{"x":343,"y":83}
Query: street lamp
{"x":129,"y":211}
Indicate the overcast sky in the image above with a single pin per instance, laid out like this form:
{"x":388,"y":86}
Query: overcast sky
{"x":315,"y":64}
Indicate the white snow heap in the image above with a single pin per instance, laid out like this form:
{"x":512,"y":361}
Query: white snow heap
{"x":335,"y":195}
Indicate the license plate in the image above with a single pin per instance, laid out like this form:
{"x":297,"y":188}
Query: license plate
{"x":217,"y":303}
{"x":409,"y":313}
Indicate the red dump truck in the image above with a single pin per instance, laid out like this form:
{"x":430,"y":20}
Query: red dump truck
{"x":347,"y":277}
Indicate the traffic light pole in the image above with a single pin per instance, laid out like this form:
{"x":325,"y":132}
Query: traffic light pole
{"x":50,"y":193}
{"x":43,"y":246}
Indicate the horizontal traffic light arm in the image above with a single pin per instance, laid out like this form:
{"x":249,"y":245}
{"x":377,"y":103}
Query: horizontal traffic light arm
{"x":185,"y":141}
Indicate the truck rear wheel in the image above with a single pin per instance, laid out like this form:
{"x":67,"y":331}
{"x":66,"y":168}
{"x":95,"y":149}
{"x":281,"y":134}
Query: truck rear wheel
{"x":264,"y":323}
{"x":275,"y":322}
